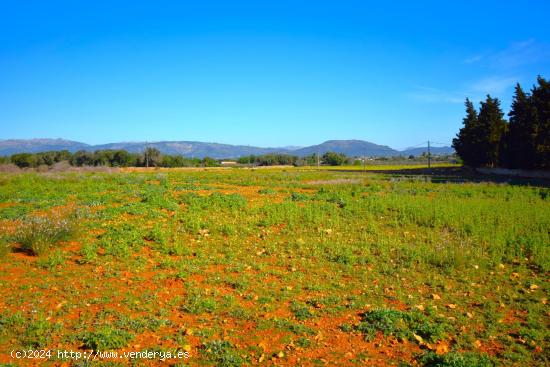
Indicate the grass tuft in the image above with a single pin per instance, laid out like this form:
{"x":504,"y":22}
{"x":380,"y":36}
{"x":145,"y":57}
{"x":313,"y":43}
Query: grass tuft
{"x":38,"y":234}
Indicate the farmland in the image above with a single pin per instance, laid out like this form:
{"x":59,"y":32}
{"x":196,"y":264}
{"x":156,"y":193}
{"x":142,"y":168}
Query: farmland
{"x":279,"y":266}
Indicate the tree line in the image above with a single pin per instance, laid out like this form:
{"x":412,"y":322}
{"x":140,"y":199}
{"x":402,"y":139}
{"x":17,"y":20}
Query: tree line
{"x":275,"y":159}
{"x":487,"y":139}
{"x":151,"y":157}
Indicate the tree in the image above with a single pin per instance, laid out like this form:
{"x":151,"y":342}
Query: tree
{"x":492,"y":128}
{"x":520,"y":139}
{"x":151,"y":156}
{"x":82,"y":158}
{"x":210,"y":162}
{"x":540,"y":96}
{"x":122,"y":158}
{"x":466,"y":144}
{"x":334,"y":159}
{"x":23,"y":160}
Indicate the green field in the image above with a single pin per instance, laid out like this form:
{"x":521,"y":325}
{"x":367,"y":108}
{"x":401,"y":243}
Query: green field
{"x":278,"y":266}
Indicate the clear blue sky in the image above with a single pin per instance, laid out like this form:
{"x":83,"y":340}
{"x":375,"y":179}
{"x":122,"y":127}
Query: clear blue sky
{"x":265,"y":73}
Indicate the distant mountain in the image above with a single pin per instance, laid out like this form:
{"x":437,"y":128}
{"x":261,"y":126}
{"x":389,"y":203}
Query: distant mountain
{"x":13,"y":146}
{"x":352,"y":148}
{"x":194,"y":149}
{"x":433,"y":150}
{"x":292,"y":147}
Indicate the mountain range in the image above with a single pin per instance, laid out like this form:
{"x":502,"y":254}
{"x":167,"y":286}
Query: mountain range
{"x":215,"y":150}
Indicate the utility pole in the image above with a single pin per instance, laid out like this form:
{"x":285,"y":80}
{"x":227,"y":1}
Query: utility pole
{"x":146,"y":156}
{"x":429,"y":156}
{"x":318,"y":162}
{"x":364,"y":163}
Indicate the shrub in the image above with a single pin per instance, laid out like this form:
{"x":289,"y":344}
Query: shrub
{"x":88,"y":253}
{"x":38,"y":234}
{"x":222,"y":353}
{"x":105,"y":338}
{"x":301,"y":311}
{"x":37,"y":334}
{"x":197,"y":304}
{"x":55,"y":259}
{"x":456,"y":359}
{"x":404,"y":325}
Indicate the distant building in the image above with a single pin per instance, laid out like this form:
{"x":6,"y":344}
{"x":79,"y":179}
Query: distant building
{"x":228,"y":163}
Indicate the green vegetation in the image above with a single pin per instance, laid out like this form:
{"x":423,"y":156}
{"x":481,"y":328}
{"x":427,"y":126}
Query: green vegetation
{"x":38,"y":234}
{"x":151,"y":157}
{"x":488,"y":140}
{"x":455,"y":359}
{"x":106,"y":338}
{"x":222,"y":353}
{"x":403,"y":325}
{"x":277,"y":266}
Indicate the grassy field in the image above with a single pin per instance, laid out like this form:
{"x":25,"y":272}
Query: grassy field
{"x":380,"y":167}
{"x":282,"y":267}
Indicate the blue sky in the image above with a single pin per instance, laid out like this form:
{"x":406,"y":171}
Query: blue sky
{"x":265,"y":73}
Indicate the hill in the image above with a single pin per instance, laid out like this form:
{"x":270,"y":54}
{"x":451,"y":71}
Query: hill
{"x":13,"y":146}
{"x":351,"y":148}
{"x":434,"y":150}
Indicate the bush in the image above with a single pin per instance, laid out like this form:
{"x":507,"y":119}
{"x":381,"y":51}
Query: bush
{"x":197,"y":304}
{"x":403,"y":325}
{"x":455,"y":359}
{"x":38,"y":234}
{"x":38,"y":334}
{"x":301,"y":311}
{"x":222,"y":353}
{"x":54,"y":260}
{"x":105,"y":338}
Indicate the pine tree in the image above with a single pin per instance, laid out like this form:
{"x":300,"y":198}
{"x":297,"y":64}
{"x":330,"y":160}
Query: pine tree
{"x":540,"y":96}
{"x":492,"y":128}
{"x":464,"y":144}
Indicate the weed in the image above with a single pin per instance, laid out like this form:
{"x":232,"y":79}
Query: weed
{"x":403,"y":325}
{"x":222,"y":353}
{"x":37,"y":334}
{"x":37,"y":234}
{"x":5,"y":247}
{"x":197,"y":304}
{"x":105,"y":338}
{"x":456,"y":359}
{"x":296,"y":196}
{"x":88,"y":253}
{"x":303,"y":342}
{"x":301,"y":311}
{"x":55,"y":259}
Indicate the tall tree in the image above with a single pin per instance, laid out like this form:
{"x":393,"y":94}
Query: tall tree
{"x":492,"y":128}
{"x":466,"y":142}
{"x":151,"y":157}
{"x":540,"y":96}
{"x":520,"y":139}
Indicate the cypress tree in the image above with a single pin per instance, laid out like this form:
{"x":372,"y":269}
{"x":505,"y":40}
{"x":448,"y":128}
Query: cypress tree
{"x":520,"y":140}
{"x":540,"y":96}
{"x":492,"y":128}
{"x":465,"y":144}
